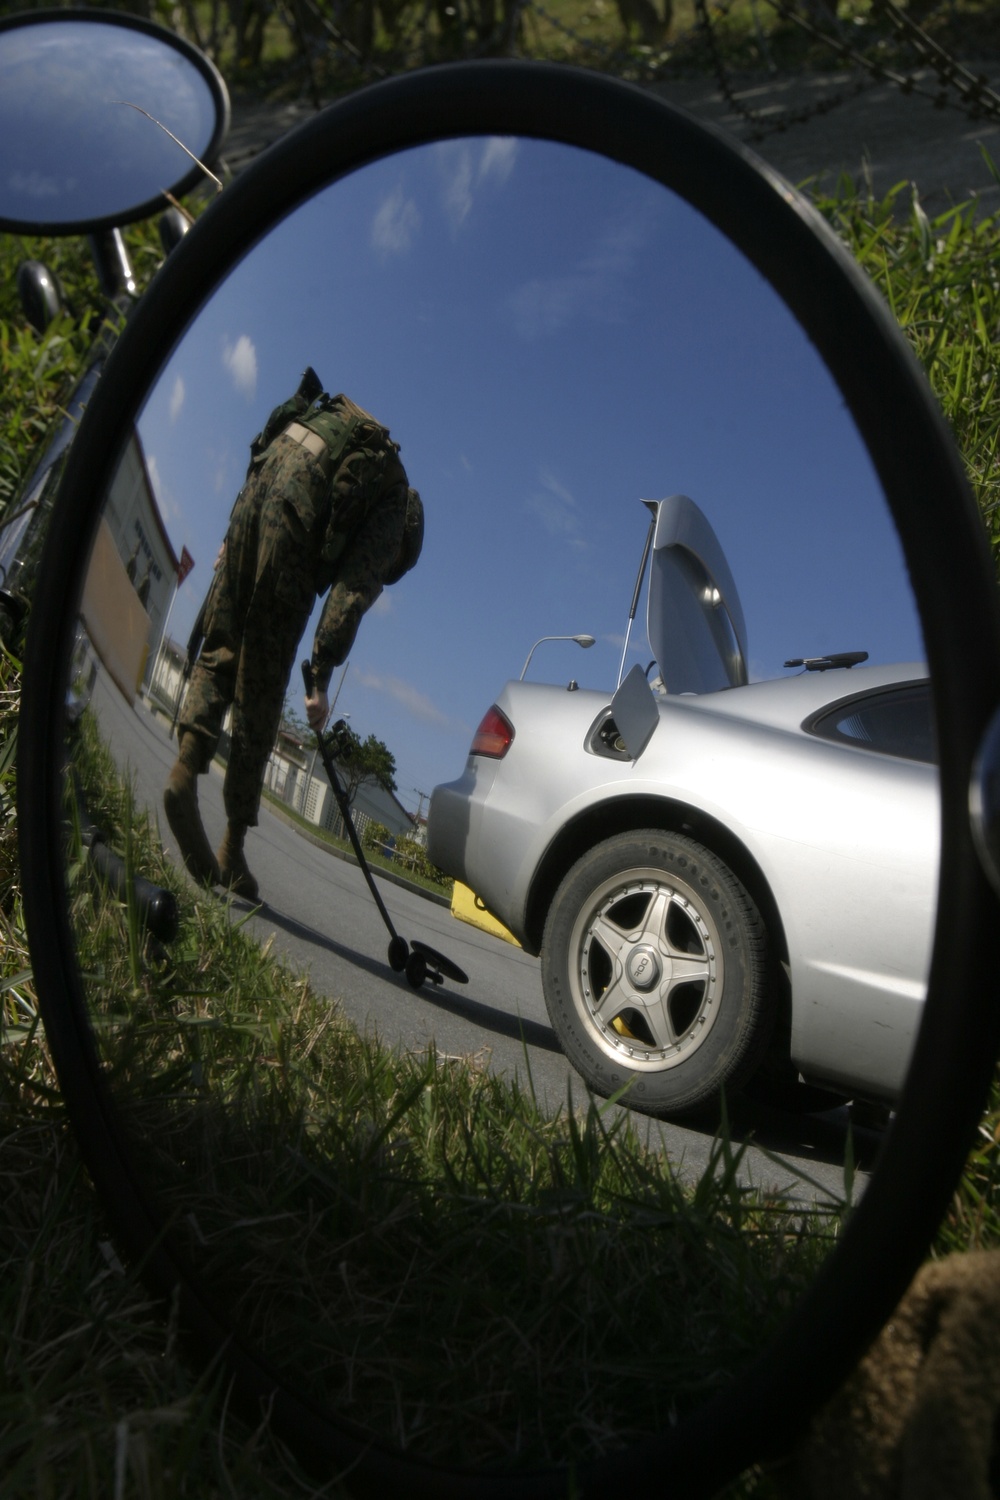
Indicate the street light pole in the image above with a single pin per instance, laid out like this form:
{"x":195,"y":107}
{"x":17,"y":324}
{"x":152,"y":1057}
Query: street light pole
{"x":312,"y":763}
{"x":340,"y":684}
{"x":581,"y":640}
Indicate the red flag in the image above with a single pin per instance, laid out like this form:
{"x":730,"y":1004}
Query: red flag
{"x":184,"y":566}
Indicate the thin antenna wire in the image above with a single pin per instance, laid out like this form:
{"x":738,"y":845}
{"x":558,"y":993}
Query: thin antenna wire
{"x":176,"y":142}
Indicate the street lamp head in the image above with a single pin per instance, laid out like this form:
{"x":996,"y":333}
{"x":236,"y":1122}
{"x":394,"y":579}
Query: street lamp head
{"x":581,"y":640}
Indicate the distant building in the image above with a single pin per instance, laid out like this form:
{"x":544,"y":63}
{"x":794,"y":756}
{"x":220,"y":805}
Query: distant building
{"x":137,"y":530}
{"x":295,"y":776}
{"x":166,"y":675}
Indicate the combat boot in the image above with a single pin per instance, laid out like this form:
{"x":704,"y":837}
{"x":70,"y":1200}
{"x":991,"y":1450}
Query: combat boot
{"x":233,"y":870}
{"x":180,"y":802}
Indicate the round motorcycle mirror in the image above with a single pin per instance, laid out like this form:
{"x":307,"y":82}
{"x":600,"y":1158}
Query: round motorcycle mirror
{"x":103,"y":118}
{"x":941,"y":535}
{"x":80,"y":89}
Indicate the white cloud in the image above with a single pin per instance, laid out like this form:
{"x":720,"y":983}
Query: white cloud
{"x":408,"y":697}
{"x":544,"y":306}
{"x":240,"y":359}
{"x":395,"y":224}
{"x":167,"y":506}
{"x":555,"y":507}
{"x":458,"y":188}
{"x":593,"y":289}
{"x":36,"y":185}
{"x":497,"y":160}
{"x":463,"y":170}
{"x":177,"y":396}
{"x":153,"y":470}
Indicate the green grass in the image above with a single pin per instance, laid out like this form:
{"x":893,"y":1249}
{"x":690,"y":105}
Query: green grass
{"x":940,"y":278}
{"x":369,"y":1185}
{"x":437,"y":884}
{"x":364,"y":1185}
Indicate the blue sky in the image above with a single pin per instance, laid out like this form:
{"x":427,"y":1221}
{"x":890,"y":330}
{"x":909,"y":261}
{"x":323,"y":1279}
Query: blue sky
{"x":551,"y":338}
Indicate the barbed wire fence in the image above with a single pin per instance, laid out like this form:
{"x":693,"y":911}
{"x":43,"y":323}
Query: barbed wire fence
{"x":436,"y":30}
{"x":952,"y":85}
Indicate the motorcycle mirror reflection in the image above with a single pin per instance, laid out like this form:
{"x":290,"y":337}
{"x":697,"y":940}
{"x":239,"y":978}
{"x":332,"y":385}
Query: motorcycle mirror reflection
{"x":422,"y":332}
{"x":74,"y":158}
{"x":73,"y":162}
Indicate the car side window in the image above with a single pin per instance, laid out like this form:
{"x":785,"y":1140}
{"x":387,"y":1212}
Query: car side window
{"x":892,"y":721}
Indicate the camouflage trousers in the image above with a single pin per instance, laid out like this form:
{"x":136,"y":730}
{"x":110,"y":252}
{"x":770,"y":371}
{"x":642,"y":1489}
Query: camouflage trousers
{"x":258,"y":606}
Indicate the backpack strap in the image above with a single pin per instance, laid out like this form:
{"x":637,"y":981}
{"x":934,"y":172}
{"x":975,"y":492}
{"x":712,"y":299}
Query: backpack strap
{"x":344,"y":425}
{"x":275,"y":425}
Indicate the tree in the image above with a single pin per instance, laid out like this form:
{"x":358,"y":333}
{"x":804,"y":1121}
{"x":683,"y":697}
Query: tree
{"x":295,"y":722}
{"x":364,"y":760}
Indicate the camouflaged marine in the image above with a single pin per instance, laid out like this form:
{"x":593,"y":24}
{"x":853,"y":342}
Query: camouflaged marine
{"x":326,"y":508}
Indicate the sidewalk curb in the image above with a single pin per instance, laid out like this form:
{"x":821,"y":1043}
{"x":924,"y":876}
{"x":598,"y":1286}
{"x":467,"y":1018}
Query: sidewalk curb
{"x":349,"y":858}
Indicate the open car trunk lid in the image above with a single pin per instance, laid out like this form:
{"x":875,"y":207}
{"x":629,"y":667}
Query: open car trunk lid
{"x":694,"y":617}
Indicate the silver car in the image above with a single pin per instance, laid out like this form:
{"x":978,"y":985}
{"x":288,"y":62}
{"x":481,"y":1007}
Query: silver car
{"x":723,"y":879}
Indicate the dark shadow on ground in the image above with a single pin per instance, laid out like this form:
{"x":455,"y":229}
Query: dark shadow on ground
{"x":821,"y":1136}
{"x":499,"y":1022}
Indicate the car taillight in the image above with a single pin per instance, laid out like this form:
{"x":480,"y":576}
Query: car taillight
{"x":494,"y":735}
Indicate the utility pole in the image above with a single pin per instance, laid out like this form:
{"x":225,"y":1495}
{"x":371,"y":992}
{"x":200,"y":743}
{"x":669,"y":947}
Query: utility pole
{"x":340,"y":684}
{"x":312,"y":764}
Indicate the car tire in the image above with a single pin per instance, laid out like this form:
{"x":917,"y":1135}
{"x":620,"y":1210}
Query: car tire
{"x":655,"y":973}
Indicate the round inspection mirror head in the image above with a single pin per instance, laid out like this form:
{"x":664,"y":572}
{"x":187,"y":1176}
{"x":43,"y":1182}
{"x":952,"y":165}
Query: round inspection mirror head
{"x":102,"y":116}
{"x":941,"y":534}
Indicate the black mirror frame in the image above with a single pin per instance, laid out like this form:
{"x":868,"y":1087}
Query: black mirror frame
{"x":943,"y":540}
{"x":191,"y":178}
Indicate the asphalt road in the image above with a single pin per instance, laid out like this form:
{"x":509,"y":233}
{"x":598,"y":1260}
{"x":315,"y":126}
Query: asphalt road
{"x":318,"y":913}
{"x":878,"y":133}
